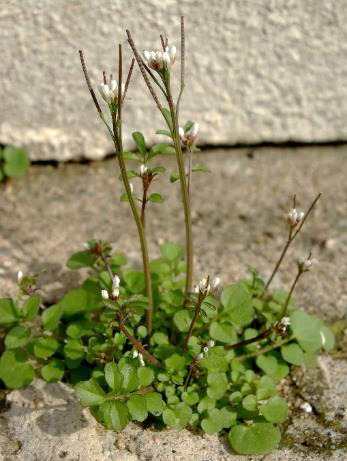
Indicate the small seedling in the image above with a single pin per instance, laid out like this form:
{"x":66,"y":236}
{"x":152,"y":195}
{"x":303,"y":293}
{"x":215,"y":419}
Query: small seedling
{"x":13,"y":162}
{"x":140,"y":344}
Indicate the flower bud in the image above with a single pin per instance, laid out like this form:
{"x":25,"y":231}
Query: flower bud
{"x":115,"y":293}
{"x":294,"y":217}
{"x":104,"y":294}
{"x":143,"y":169}
{"x":19,"y":276}
{"x":305,"y":265}
{"x":135,"y":353}
{"x":142,"y":362}
{"x":115,"y":282}
{"x":215,"y":283}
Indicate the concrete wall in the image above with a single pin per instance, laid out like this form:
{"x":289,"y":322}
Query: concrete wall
{"x":257,"y":70}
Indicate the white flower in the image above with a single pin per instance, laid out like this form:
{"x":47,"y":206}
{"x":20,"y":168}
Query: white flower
{"x":215,"y":283}
{"x":211,"y":343}
{"x":115,"y":282}
{"x":160,"y":60}
{"x":305,"y":265}
{"x":200,"y":356}
{"x":115,"y":292}
{"x":19,"y":276}
{"x":306,"y":407}
{"x":294,"y":217}
{"x":285,"y":321}
{"x":142,"y":362}
{"x":104,"y":294}
{"x":143,"y":169}
{"x":189,"y":137}
{"x":109,"y":92}
{"x":205,"y":349}
{"x":135,"y":353}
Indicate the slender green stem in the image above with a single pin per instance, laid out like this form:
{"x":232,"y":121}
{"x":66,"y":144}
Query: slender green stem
{"x":192,"y":323}
{"x":245,"y":342}
{"x":138,"y":345}
{"x":190,"y":163}
{"x":184,"y":190}
{"x":279,"y":262}
{"x":263,"y":350}
{"x":285,"y":306}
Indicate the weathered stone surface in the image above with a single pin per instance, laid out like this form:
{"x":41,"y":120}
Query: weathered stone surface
{"x":271,"y":70}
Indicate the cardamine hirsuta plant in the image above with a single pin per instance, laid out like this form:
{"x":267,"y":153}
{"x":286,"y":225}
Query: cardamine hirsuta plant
{"x":155,"y":345}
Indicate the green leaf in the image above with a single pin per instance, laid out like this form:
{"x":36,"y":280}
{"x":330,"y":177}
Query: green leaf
{"x":194,"y":346}
{"x":292,"y":353}
{"x":217,"y":385}
{"x":124,"y":197}
{"x":190,"y":398}
{"x":275,"y":410}
{"x":113,"y":376}
{"x":177,"y":416}
{"x":79,"y":300}
{"x":171,"y":251}
{"x":81,"y":259}
{"x":74,"y":349}
{"x":310,"y":332}
{"x":135,"y":280}
{"x":8,"y":313}
{"x":90,"y":393}
{"x":131,"y":156}
{"x":131,"y":380}
{"x":266,"y":388}
{"x":137,"y":407}
{"x":45,"y":347}
{"x":146,"y":376}
{"x":16,"y":161}
{"x":117,"y":259}
{"x":80,"y":328}
{"x":114,"y":415}
{"x":51,"y":316}
{"x":267,"y":363}
{"x":272,"y":367}
{"x":53,"y":371}
{"x":17,"y":337}
{"x":257,"y":439}
{"x":140,"y":141}
{"x":31,"y":307}
{"x":199,"y":167}
{"x":175,"y":176}
{"x":250,"y":403}
{"x":215,"y":361}
{"x":156,"y":198}
{"x":218,"y":419}
{"x":164,"y":132}
{"x":223,"y":332}
{"x":154,"y":403}
{"x":206,"y":403}
{"x":327,"y":338}
{"x":238,"y":304}
{"x":175,"y":363}
{"x":182,"y":319}
{"x":15,"y":371}
{"x":159,"y":338}
{"x":158,"y":169}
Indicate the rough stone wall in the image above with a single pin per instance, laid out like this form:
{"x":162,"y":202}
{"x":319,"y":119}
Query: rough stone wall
{"x":257,"y":70}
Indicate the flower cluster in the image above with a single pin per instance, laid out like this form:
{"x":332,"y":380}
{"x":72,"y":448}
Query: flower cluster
{"x":188,"y":137}
{"x":114,"y":292}
{"x":294,"y":217}
{"x":109,"y":91}
{"x":204,"y":287}
{"x":161,"y":60}
{"x":304,"y":265}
